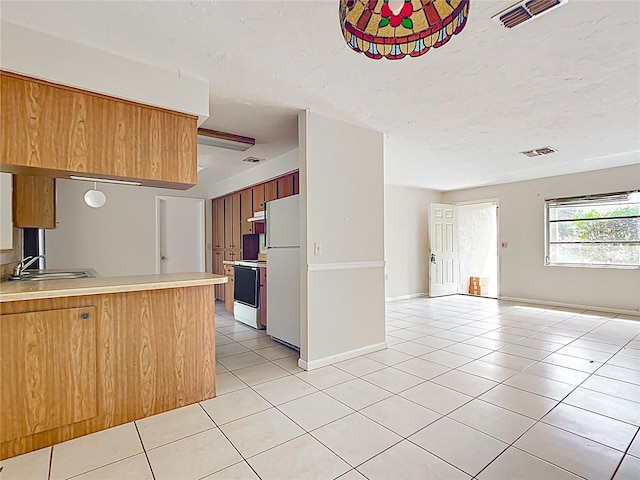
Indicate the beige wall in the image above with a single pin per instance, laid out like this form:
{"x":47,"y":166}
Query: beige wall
{"x":342,"y":208}
{"x":406,"y":240}
{"x":521,"y":224}
{"x":117,"y":239}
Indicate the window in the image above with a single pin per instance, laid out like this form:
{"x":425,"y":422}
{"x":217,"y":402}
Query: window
{"x":594,"y":230}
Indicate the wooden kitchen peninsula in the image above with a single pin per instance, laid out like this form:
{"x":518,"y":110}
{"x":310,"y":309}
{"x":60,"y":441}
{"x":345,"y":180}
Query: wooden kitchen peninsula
{"x":79,"y":356}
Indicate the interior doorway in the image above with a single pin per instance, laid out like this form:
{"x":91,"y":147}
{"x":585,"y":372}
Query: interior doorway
{"x":478,"y":247}
{"x":180,"y":236}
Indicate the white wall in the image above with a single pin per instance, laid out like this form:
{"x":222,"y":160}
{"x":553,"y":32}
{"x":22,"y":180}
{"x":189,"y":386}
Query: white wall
{"x":43,"y":56}
{"x":521,"y":224}
{"x":406,"y":239}
{"x":117,"y":239}
{"x":273,"y":168}
{"x":342,"y":208}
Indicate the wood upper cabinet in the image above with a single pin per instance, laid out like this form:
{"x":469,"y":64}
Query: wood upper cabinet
{"x":296,"y":182}
{"x":258,"y":197}
{"x":52,"y":130}
{"x":246,"y":211}
{"x":217,"y":209}
{"x":285,"y":186}
{"x":270,"y":191}
{"x":48,"y":367}
{"x":34,"y":201}
{"x":236,"y":235}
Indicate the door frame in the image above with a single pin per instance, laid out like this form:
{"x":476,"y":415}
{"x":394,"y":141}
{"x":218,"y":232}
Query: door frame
{"x":203,"y":253}
{"x":497,"y":202}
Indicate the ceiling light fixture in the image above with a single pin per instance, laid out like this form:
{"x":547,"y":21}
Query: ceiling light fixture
{"x":104,"y":180}
{"x":213,"y":138}
{"x":394,"y":29}
{"x":536,"y":152}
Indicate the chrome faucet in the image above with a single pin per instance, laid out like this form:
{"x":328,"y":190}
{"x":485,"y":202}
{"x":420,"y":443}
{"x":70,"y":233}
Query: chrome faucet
{"x":22,"y":266}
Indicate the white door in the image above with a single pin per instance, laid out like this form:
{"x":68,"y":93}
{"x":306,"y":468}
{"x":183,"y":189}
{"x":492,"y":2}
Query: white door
{"x":443,"y":231}
{"x":180,"y":235}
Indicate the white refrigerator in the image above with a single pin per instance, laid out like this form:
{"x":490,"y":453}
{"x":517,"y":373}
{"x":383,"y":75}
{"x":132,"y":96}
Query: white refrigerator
{"x":283,"y":269}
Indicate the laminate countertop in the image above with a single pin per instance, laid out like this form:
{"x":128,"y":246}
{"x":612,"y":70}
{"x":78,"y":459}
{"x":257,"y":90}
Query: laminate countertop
{"x":34,"y":290}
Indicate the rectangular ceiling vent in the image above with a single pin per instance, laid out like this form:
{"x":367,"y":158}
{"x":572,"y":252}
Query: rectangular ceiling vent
{"x":536,"y":152}
{"x":526,"y":10}
{"x":253,"y":159}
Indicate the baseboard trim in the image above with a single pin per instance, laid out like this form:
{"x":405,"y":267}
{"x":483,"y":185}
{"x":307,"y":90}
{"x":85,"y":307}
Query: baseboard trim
{"x":573,"y":305}
{"x":323,"y":362}
{"x":344,"y":266}
{"x":405,"y":297}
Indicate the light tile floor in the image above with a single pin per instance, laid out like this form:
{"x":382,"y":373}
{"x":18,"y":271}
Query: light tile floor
{"x":468,"y":388}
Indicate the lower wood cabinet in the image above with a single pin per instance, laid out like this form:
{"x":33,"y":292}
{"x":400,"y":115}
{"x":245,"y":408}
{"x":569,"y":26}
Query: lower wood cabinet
{"x":228,"y":299}
{"x":48,"y":370}
{"x":75,"y":365}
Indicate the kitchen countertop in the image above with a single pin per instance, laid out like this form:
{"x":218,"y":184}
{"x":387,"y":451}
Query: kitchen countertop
{"x":33,"y":290}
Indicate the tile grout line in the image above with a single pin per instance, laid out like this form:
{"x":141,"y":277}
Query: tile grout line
{"x":153,"y":475}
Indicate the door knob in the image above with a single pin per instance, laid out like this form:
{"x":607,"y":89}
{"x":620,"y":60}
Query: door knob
{"x":433,"y":258}
{"x":163,"y":257}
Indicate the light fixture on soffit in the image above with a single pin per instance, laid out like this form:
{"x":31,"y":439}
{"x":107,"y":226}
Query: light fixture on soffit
{"x":394,"y":29}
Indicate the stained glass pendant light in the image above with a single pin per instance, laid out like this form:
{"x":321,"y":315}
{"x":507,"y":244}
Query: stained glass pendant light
{"x":375,"y":29}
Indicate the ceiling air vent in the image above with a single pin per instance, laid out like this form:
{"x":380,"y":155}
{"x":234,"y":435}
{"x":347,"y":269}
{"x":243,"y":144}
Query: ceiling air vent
{"x":536,"y":152}
{"x":526,"y":10}
{"x":253,"y":159}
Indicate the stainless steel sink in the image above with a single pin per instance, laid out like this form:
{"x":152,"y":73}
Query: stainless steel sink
{"x":28,"y":276}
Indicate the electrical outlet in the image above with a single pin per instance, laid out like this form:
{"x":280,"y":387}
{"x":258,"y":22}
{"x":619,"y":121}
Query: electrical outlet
{"x":317,"y":248}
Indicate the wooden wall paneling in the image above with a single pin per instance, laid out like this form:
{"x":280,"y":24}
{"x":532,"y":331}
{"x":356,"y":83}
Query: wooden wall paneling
{"x":270,"y":191}
{"x":285,"y":186}
{"x":34,"y":201}
{"x":258,"y":197}
{"x":155,"y":352}
{"x":246,"y":211}
{"x":50,"y":358}
{"x":59,"y":130}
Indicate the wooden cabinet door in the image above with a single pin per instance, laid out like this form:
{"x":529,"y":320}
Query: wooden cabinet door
{"x":228,"y":222}
{"x":285,"y":186}
{"x":263,"y":296}
{"x":246,"y":211}
{"x":48,"y":370}
{"x":236,"y":235}
{"x":66,"y":130}
{"x":218,"y":268}
{"x":218,"y":223}
{"x":296,"y":182}
{"x":228,"y":301}
{"x":270,"y":191}
{"x":258,"y":197}
{"x":34,"y":201}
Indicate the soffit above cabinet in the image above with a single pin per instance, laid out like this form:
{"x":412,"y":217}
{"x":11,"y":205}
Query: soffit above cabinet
{"x":45,"y":57}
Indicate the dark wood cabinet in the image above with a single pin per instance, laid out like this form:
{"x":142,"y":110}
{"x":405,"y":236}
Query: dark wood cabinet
{"x":285,"y":186}
{"x":270,"y":191}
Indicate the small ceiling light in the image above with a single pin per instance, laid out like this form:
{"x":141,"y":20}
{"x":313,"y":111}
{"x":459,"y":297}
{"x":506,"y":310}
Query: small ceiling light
{"x":213,"y":138}
{"x":252,"y":159}
{"x":95,"y":198}
{"x":394,"y":29}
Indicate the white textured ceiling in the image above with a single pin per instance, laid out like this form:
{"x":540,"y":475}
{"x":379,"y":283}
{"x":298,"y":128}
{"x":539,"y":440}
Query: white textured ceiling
{"x":456,"y":117}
